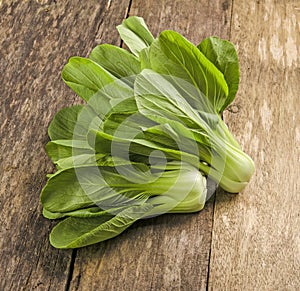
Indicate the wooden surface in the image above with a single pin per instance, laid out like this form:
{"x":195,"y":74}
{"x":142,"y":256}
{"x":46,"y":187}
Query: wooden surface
{"x":256,"y":235}
{"x":245,"y":242}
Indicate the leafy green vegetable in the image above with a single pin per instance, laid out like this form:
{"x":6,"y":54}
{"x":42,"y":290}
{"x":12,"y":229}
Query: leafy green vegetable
{"x":183,"y":60}
{"x":115,"y":60}
{"x":160,"y":101}
{"x":74,"y":232}
{"x":95,"y":197}
{"x":223,"y":55}
{"x":149,"y":137}
{"x":85,"y":77}
{"x":135,"y":33}
{"x":63,"y":123}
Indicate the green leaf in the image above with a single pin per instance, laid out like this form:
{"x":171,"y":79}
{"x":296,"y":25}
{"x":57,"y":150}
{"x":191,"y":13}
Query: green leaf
{"x":124,"y":108}
{"x":126,"y":123}
{"x":123,"y":147}
{"x":81,"y":187}
{"x":160,"y":101}
{"x":145,"y":58}
{"x":80,"y":159}
{"x":173,"y":55}
{"x":83,"y":213}
{"x":117,"y":61}
{"x":116,"y":96}
{"x":85,"y":77}
{"x":65,"y":148}
{"x":63,"y":124}
{"x":63,"y":193}
{"x":135,"y":33}
{"x":88,"y":79}
{"x":78,"y":232}
{"x":223,"y":55}
{"x":68,"y":131}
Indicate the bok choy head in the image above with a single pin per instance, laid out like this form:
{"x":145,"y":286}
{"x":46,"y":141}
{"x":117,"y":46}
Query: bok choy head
{"x":149,"y":137}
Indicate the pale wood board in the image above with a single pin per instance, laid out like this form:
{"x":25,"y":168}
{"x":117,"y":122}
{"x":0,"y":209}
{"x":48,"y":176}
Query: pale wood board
{"x":256,"y":235}
{"x":169,"y":252}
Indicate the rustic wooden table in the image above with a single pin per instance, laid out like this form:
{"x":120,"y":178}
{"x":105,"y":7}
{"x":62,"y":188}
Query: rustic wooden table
{"x":248,"y":241}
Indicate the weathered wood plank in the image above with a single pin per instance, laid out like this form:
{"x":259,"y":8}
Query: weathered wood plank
{"x":193,"y":19}
{"x":37,"y":38}
{"x":256,"y":235}
{"x":170,"y":252}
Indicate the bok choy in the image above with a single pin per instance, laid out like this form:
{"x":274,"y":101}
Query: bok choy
{"x":148,"y":140}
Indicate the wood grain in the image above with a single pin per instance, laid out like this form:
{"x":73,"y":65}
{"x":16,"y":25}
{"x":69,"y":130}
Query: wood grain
{"x":37,"y":38}
{"x":170,"y":252}
{"x":255,"y":243}
{"x":256,"y":235}
{"x":194,"y":19}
